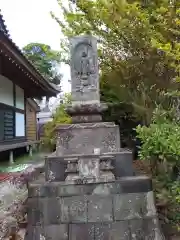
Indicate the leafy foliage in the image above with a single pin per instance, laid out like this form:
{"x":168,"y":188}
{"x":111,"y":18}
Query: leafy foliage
{"x":161,"y":141}
{"x":59,"y":117}
{"x":45,"y":60}
{"x":161,"y":148}
{"x":139,"y":47}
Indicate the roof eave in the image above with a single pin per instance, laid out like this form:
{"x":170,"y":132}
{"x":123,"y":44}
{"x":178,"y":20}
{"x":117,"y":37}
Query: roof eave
{"x":18,"y":55}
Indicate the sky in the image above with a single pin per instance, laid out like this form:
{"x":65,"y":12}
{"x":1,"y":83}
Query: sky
{"x":30,"y":21}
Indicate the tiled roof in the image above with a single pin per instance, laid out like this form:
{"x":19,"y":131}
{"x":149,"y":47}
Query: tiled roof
{"x":3,"y":27}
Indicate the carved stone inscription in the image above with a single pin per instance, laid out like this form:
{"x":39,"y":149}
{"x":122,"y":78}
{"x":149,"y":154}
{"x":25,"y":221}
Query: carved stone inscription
{"x":84,"y":68}
{"x":89,"y":168}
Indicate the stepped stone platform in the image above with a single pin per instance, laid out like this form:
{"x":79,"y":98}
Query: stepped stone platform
{"x":120,"y":209}
{"x":90,"y":191}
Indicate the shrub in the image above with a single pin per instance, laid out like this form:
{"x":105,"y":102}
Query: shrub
{"x":161,"y":142}
{"x":59,"y":117}
{"x":161,"y":148}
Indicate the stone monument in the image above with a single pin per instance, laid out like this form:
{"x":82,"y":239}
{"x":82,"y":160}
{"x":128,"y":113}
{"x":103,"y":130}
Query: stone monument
{"x":90,"y":190}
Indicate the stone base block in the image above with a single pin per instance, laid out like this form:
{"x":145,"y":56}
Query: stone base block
{"x":119,"y":163}
{"x":91,"y":208}
{"x":122,"y":209}
{"x":136,"y":184}
{"x":85,"y":137}
{"x":143,"y":229}
{"x":59,"y":203}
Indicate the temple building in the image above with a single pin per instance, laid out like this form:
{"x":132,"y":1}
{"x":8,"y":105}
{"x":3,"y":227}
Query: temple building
{"x":20,"y":83}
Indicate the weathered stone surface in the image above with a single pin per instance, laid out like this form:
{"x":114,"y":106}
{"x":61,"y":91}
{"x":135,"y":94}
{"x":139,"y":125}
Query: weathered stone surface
{"x":53,"y":211}
{"x":77,"y":209}
{"x":123,"y":185}
{"x":47,"y":189}
{"x":81,"y":231}
{"x":36,"y":212}
{"x":100,"y":209}
{"x":150,"y":205}
{"x":123,"y":164}
{"x":72,"y":167}
{"x":89,"y":167}
{"x":86,"y":118}
{"x":55,"y":169}
{"x":74,"y":190}
{"x":64,"y":210}
{"x":134,"y":205}
{"x":56,"y":232}
{"x":146,"y":229}
{"x":53,"y":232}
{"x":85,"y":108}
{"x":135,"y":184}
{"x":84,"y":138}
{"x":112,"y":231}
{"x":106,"y":176}
{"x":128,"y":206}
{"x":84,"y":70}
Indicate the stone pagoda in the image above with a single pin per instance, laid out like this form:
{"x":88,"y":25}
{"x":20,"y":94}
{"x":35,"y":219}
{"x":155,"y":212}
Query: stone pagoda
{"x":90,"y":191}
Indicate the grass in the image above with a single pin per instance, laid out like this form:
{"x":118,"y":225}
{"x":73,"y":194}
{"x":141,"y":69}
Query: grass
{"x":20,"y":163}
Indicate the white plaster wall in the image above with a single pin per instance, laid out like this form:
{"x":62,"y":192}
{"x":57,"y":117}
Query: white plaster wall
{"x":19,"y":98}
{"x":44,"y":120}
{"x":20,"y":125}
{"x":6,"y":91}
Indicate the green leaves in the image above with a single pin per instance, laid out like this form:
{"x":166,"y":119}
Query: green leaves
{"x":160,"y":140}
{"x":139,"y":46}
{"x":45,"y":60}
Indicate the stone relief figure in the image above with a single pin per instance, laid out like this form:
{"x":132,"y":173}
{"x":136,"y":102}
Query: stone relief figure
{"x":84,"y":67}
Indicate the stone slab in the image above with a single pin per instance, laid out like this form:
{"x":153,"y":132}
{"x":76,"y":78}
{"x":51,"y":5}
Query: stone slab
{"x":55,"y":169}
{"x":84,"y":138}
{"x":36,"y":211}
{"x":84,"y":69}
{"x":136,"y":184}
{"x":146,"y":229}
{"x":129,"y":206}
{"x":81,"y":231}
{"x":47,"y":211}
{"x":112,"y":231}
{"x":91,"y":208}
{"x":53,"y":232}
{"x":123,"y":164}
{"x":100,"y":209}
{"x":77,"y":208}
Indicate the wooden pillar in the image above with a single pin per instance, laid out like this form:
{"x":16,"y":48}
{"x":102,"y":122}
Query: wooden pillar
{"x":30,"y":151}
{"x":11,"y":157}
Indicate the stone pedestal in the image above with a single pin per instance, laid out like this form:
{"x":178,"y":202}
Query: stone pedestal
{"x":122,"y":209}
{"x":85,"y":137}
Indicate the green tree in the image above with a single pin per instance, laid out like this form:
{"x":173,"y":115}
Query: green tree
{"x":45,"y":60}
{"x":139,"y":47}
